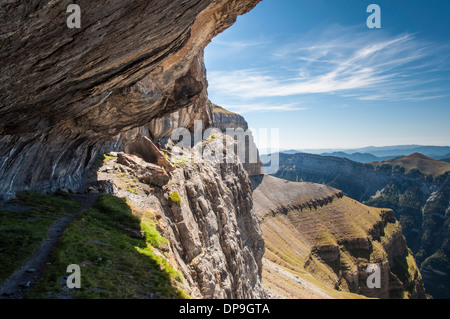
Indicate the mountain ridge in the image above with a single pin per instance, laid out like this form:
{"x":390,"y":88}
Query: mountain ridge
{"x":419,"y":196}
{"x":383,"y":152}
{"x":319,"y":243}
{"x":425,"y":164}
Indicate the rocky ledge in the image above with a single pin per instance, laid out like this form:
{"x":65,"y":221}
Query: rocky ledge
{"x":205,"y":211}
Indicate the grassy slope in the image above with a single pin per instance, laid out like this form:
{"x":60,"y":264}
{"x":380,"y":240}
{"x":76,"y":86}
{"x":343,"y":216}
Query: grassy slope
{"x":289,"y":239}
{"x":23,"y":230}
{"x":426,"y":165}
{"x":113,"y":264}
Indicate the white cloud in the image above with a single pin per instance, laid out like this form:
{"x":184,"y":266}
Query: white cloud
{"x":264,"y":107}
{"x":340,"y":61}
{"x":239,"y":45}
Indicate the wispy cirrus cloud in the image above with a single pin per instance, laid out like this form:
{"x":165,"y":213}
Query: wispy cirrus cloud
{"x":265,"y":107}
{"x":240,"y":45}
{"x":344,"y":62}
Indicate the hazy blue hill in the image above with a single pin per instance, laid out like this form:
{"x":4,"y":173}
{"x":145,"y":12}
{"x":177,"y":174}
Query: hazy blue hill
{"x":444,"y":157}
{"x":380,"y":153}
{"x":393,"y":148}
{"x":358,"y":157}
{"x":430,"y":151}
{"x":292,"y":151}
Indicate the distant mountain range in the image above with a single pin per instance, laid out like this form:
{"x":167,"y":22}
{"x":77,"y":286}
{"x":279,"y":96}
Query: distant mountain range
{"x":379,"y":153}
{"x":359,"y":157}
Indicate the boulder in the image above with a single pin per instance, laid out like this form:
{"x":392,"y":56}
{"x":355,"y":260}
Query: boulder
{"x":144,"y":148}
{"x":145,"y":172}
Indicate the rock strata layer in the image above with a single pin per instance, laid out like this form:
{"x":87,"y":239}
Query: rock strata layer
{"x":206,"y":213}
{"x":68,"y":94}
{"x":330,"y":242}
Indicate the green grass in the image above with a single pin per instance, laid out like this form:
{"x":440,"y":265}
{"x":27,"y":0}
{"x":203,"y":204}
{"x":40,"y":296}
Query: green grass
{"x":152,"y":235}
{"x":102,"y":159}
{"x":48,"y":203}
{"x":23,"y":231}
{"x":174,"y":197}
{"x":132,"y":189}
{"x":220,"y":110}
{"x":20,"y":234}
{"x":113,"y":264}
{"x":178,"y":160}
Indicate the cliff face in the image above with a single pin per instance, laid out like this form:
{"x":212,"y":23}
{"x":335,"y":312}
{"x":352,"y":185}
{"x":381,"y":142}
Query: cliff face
{"x":356,"y":180}
{"x":319,"y":244}
{"x":206,"y":213}
{"x":131,"y":62}
{"x":419,"y":200}
{"x":224,"y":119}
{"x":236,"y":125}
{"x":199,"y":110}
{"x":210,"y":116}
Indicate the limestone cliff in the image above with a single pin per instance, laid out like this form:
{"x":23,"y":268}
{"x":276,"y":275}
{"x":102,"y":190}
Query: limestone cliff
{"x":319,"y":244}
{"x":224,"y":119}
{"x":210,"y":116}
{"x":206,"y":212}
{"x":199,"y":110}
{"x":66,"y":94}
{"x":227,"y":121}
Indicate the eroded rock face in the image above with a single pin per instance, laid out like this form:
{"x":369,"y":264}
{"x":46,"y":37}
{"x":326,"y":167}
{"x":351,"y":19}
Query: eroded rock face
{"x":207,"y":214}
{"x":204,"y":116}
{"x":66,"y":94}
{"x":312,"y":228}
{"x":235,"y":125}
{"x":198,"y":110}
{"x":145,"y":172}
{"x":224,"y":119}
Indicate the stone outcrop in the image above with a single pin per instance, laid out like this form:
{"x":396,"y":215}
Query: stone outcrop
{"x":144,"y":171}
{"x":224,"y":119}
{"x":206,"y":212}
{"x":204,"y":116}
{"x":68,"y":94}
{"x":330,"y":242}
{"x":144,"y":148}
{"x":236,"y":126}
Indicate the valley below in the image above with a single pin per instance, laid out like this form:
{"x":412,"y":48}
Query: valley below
{"x":320,"y":243}
{"x":415,"y":187}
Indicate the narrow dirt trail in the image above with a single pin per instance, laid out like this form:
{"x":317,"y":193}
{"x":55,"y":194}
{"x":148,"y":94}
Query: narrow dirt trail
{"x":18,"y":284}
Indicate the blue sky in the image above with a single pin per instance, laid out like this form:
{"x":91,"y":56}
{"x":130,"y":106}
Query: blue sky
{"x":316,"y":72}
